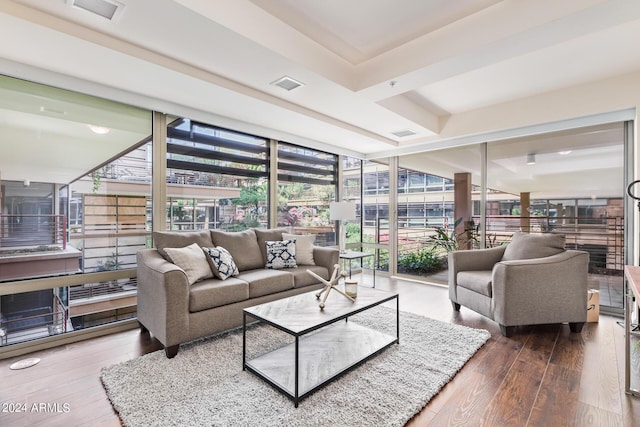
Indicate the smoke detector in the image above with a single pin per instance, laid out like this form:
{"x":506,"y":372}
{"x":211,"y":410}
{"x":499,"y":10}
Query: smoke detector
{"x":287,"y":83}
{"x":108,"y":9}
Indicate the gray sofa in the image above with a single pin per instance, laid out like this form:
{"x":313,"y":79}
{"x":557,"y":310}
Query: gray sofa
{"x":175,"y":311}
{"x":532,"y":280}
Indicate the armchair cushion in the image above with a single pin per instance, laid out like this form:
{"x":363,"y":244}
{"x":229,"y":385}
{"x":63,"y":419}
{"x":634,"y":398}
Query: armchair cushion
{"x":529,"y":246}
{"x":477,"y":281}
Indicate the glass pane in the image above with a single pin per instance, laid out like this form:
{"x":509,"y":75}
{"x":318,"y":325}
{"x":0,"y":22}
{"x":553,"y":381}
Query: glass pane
{"x":306,"y":186}
{"x":569,"y":183}
{"x":426,"y":214}
{"x":376,"y":203}
{"x":216,"y":178}
{"x":95,"y":223}
{"x":351,"y":190}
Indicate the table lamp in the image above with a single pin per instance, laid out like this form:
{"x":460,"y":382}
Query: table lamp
{"x":341,"y":212}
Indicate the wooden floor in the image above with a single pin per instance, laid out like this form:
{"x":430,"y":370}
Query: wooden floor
{"x":543,"y":376}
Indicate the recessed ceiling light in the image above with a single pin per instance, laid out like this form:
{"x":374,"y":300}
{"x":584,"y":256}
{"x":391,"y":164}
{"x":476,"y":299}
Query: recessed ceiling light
{"x":287,"y":83}
{"x":100,"y":130}
{"x":108,"y":9}
{"x":564,"y":153}
{"x":48,"y":110}
{"x":404,"y":132}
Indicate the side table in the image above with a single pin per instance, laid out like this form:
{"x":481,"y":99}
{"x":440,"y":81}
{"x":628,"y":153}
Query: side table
{"x":351,"y":255}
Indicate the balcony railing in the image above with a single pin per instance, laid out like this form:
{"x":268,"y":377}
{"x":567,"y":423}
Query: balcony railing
{"x":32,"y":231}
{"x":602,"y":237}
{"x":34,"y":323}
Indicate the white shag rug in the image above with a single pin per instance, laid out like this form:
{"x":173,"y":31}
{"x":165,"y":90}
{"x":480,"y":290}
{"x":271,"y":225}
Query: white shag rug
{"x":204,"y":385}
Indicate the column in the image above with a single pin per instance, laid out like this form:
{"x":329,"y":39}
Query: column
{"x":525,"y":204}
{"x":463,"y":207}
{"x":159,"y":172}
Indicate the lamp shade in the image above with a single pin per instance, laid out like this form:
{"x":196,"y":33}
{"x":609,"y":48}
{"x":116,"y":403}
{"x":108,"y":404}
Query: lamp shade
{"x":342,"y":211}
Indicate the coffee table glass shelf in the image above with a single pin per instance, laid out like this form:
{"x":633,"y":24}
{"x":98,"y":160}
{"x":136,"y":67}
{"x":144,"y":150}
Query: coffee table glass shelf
{"x":326,"y":344}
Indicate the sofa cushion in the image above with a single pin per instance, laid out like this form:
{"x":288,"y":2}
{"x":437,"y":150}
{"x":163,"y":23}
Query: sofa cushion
{"x":192,"y":260}
{"x":180,"y":239}
{"x":243,"y":247}
{"x":265,"y":282}
{"x":528,"y":246}
{"x":215,"y":293}
{"x":221,"y":262}
{"x":281,"y":254}
{"x":477,"y":281}
{"x":304,"y":247}
{"x":302,"y":278}
{"x":263,"y":235}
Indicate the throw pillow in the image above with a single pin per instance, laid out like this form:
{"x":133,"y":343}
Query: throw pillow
{"x":281,"y":254}
{"x":221,"y":262}
{"x":192,"y":260}
{"x":268,"y":234}
{"x":304,"y":247}
{"x":529,"y":246}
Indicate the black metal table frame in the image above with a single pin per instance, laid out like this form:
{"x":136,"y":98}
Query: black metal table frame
{"x":296,"y":397}
{"x":351,"y":255}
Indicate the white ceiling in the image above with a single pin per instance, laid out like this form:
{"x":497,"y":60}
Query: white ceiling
{"x":370,"y":67}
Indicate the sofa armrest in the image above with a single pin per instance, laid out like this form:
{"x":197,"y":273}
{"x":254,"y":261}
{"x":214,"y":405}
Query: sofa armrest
{"x":163,"y":297}
{"x":541,"y":290}
{"x":326,"y":257}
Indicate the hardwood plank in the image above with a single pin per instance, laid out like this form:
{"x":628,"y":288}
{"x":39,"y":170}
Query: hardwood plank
{"x":600,"y":385}
{"x":587,"y":415}
{"x":518,"y":392}
{"x":530,"y":379}
{"x":630,"y":404}
{"x":557,"y":400}
{"x":569,"y":350}
{"x":461,"y":382}
{"x":467,"y":406}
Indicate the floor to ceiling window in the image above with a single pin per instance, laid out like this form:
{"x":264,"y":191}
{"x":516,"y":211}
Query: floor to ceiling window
{"x":81,"y":196}
{"x":427,"y":213}
{"x":375,"y":211}
{"x":352,"y":191}
{"x":565,"y":182}
{"x":216,"y":178}
{"x":64,"y":229}
{"x":307,"y":182}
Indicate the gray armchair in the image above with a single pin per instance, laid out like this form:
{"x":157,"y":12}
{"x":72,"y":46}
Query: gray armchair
{"x":532,"y":280}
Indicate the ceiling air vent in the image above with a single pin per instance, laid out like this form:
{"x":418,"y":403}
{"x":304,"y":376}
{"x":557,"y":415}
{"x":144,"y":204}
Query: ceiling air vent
{"x":403,"y":133}
{"x":287,"y":83}
{"x":109,"y":9}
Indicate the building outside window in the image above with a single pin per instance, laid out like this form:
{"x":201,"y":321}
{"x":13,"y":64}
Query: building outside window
{"x":307,"y":181}
{"x":223,"y":174}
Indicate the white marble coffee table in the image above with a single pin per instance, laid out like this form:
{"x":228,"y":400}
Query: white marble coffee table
{"x":335,"y":346}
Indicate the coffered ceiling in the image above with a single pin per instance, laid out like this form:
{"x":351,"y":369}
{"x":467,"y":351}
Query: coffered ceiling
{"x":370,"y":68}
